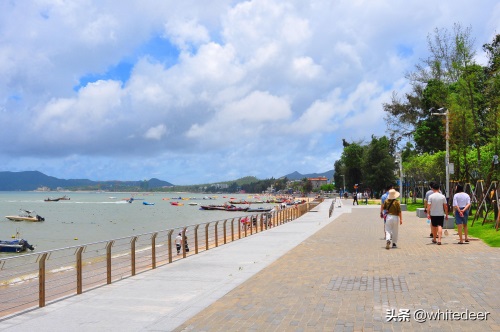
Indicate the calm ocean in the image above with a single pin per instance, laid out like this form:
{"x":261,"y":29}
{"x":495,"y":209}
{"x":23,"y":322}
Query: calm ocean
{"x":90,"y":217}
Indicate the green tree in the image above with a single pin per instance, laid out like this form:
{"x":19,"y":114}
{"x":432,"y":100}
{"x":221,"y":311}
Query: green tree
{"x":378,"y":164}
{"x":352,"y":160}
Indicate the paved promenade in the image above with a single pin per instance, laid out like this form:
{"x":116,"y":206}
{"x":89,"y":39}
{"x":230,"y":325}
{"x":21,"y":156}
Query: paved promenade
{"x":313,"y":274}
{"x":343,"y":279}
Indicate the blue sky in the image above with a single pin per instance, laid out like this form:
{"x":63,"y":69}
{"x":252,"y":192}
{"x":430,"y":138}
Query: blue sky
{"x":194,"y":93}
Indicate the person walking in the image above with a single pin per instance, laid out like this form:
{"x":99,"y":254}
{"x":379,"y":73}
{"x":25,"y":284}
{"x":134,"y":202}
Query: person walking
{"x":178,"y":243}
{"x":355,"y":198}
{"x":437,"y":211}
{"x":461,"y":205}
{"x":426,"y":200}
{"x":393,"y":218}
{"x":382,"y":201}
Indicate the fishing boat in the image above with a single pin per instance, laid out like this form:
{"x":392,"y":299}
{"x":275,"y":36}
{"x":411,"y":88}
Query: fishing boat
{"x":261,"y":209}
{"x":213,"y":207}
{"x":26,"y":215}
{"x":50,"y":199}
{"x":64,"y":198}
{"x":15,"y":245}
{"x":234,"y":208}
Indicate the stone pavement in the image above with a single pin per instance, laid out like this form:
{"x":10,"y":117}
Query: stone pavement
{"x":343,"y":279}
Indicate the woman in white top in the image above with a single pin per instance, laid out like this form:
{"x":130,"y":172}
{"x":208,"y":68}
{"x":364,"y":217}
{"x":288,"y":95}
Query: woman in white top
{"x":461,"y":205}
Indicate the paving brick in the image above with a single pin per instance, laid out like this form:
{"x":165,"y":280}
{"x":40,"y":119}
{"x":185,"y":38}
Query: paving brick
{"x":343,"y":279}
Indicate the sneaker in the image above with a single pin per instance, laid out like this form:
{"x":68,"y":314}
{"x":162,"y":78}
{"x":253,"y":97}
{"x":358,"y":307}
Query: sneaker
{"x":388,"y":244}
{"x":394,"y":245}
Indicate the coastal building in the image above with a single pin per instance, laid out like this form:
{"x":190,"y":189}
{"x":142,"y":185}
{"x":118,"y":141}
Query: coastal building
{"x":318,"y":182}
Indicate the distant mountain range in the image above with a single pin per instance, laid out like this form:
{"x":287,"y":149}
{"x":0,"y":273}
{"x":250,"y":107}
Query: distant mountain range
{"x":33,"y":180}
{"x":297,"y":176}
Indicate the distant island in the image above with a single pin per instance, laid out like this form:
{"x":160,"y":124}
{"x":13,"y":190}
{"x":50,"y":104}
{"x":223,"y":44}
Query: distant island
{"x":35,"y":180}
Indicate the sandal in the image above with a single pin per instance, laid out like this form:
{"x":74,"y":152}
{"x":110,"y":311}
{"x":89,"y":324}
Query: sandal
{"x":434,"y":241}
{"x":439,"y":243}
{"x":466,"y":240}
{"x":460,"y":243}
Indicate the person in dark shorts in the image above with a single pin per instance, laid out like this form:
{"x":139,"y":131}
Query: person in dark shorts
{"x":437,"y":211}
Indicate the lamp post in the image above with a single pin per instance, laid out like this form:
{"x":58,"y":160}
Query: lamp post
{"x":447,"y":157}
{"x":400,"y":161}
{"x":343,"y":176}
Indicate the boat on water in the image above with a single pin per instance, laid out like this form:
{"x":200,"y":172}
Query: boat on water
{"x":261,"y":209}
{"x":26,"y":215}
{"x":51,"y":199}
{"x":17,"y":245}
{"x":224,"y":208}
{"x":213,"y":207}
{"x":147,"y":203}
{"x":193,"y":203}
{"x":235,"y":208}
{"x":176,"y":203}
{"x":64,"y":198}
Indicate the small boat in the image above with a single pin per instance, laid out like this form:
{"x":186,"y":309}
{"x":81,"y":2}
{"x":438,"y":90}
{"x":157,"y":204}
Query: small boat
{"x":193,"y":203}
{"x":64,"y":198}
{"x":213,"y":207}
{"x":240,"y":202}
{"x":234,"y":208}
{"x":50,"y":199}
{"x":176,"y":203}
{"x":259,"y":210}
{"x":147,"y":203}
{"x":15,"y":246}
{"x":26,"y":215}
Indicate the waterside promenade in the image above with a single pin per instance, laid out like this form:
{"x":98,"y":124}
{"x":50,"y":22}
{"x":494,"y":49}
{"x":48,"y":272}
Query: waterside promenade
{"x":313,"y":274}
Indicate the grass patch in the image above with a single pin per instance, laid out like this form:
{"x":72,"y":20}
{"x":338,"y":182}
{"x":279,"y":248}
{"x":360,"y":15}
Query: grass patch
{"x":486,"y":232}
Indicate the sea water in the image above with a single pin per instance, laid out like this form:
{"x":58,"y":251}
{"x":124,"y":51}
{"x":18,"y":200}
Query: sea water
{"x":89,"y":217}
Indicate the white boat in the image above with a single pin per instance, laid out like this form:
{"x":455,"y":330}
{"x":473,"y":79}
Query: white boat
{"x":193,"y":203}
{"x":26,"y":215}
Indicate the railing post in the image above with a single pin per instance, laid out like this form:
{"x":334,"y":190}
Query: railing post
{"x":196,"y":239}
{"x":184,"y":244}
{"x":206,"y":236}
{"x":232,"y":230}
{"x":246,"y":226}
{"x":225,"y":231}
{"x":251,"y":224}
{"x":41,"y":280}
{"x":153,"y":250}
{"x":216,"y":234}
{"x":108,"y":261}
{"x":169,"y":242}
{"x":239,"y":228}
{"x":79,"y":271}
{"x":132,"y":255}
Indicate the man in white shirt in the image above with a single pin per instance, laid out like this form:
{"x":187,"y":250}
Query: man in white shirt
{"x":437,"y":211}
{"x":426,"y":200}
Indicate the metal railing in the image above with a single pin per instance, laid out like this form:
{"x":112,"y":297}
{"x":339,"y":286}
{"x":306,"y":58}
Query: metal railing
{"x":31,"y":280}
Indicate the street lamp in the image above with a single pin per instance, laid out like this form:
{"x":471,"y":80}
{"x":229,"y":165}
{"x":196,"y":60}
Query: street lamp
{"x":400,"y":161}
{"x":447,"y":158}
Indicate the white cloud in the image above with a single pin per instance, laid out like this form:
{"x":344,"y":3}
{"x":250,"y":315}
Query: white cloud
{"x":156,"y":133}
{"x":251,"y":83}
